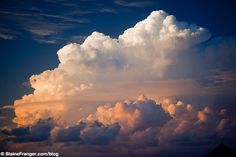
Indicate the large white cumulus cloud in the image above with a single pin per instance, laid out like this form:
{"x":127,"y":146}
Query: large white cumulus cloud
{"x":150,"y":45}
{"x":100,"y":68}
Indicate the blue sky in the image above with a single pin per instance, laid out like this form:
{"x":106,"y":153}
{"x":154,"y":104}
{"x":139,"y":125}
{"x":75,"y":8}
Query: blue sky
{"x":116,"y":77}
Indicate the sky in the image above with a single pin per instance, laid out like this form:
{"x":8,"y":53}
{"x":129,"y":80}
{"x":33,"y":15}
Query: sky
{"x":116,"y":77}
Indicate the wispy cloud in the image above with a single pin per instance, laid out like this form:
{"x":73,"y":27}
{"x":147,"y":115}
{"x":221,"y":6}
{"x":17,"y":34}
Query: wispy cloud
{"x":65,"y":3}
{"x":108,"y":10}
{"x":44,"y":28}
{"x":15,"y":13}
{"x":46,"y":33}
{"x":64,"y":18}
{"x":38,"y":15}
{"x":45,"y":40}
{"x":139,"y":4}
{"x":41,"y":32}
{"x":6,"y":36}
{"x":40,"y":24}
{"x":41,"y":27}
{"x":78,"y":38}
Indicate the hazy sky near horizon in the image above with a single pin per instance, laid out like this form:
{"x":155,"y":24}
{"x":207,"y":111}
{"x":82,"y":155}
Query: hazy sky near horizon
{"x":116,"y":77}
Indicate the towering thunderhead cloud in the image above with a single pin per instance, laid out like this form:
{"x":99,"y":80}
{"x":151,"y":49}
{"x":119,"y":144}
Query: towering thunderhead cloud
{"x":101,"y":69}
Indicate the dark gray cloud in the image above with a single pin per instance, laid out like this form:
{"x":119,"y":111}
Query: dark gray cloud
{"x":70,"y":134}
{"x":7,"y":113}
{"x":21,"y":131}
{"x":35,"y":133}
{"x":94,"y":133}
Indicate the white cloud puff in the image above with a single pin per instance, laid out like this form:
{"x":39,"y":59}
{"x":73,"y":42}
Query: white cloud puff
{"x":132,"y":115}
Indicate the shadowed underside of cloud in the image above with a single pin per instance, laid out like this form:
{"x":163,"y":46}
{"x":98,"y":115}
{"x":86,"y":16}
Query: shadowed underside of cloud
{"x":143,"y":125}
{"x":35,"y":133}
{"x":94,"y":133}
{"x":159,"y":56}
